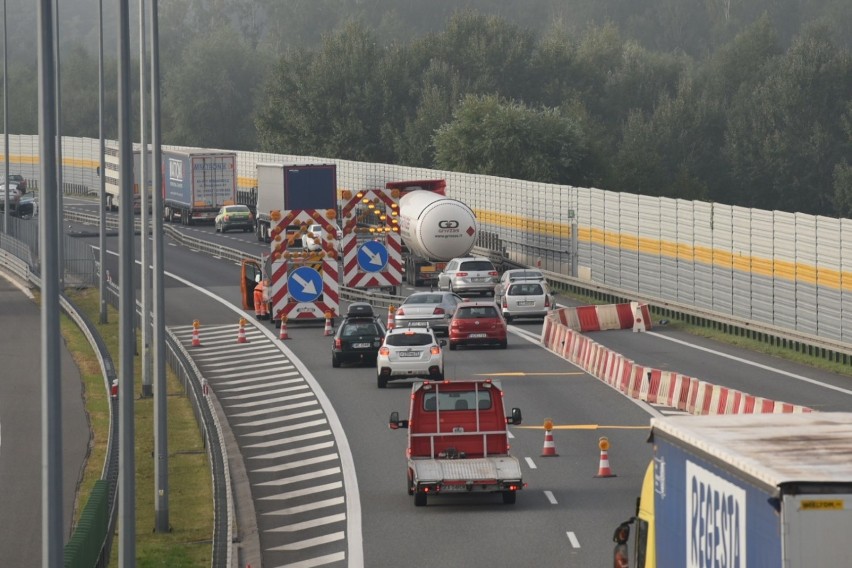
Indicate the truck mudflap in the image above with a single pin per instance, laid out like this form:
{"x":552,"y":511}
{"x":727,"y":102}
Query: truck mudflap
{"x":478,"y":474}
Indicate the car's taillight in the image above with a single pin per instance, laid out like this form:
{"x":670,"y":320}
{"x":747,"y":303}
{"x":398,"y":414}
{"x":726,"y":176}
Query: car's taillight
{"x":492,"y":273}
{"x":505,"y":303}
{"x":338,"y":344}
{"x":225,"y":218}
{"x":384,"y":351}
{"x":400,"y":312}
{"x":460,"y":274}
{"x":436,"y":350}
{"x":251,"y":216}
{"x":547,"y":301}
{"x":439,"y":311}
{"x":454,"y":324}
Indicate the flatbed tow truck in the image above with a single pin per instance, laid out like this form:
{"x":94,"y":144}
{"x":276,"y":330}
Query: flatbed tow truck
{"x":458,"y":441}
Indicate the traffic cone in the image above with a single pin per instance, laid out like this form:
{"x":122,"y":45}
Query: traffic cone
{"x":196,"y":338}
{"x":327,"y":330}
{"x":391,"y":313}
{"x":241,"y":334}
{"x":603,"y":468}
{"x":282,"y":333}
{"x":549,"y":448}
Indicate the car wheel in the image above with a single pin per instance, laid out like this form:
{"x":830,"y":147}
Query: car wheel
{"x":420,"y":499}
{"x":453,"y":346}
{"x":504,"y":344}
{"x":508,"y":318}
{"x":335,"y":362}
{"x":509,"y":497}
{"x":381,"y":381}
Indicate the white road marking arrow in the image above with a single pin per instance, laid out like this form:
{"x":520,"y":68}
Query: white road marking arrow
{"x":307,"y":287}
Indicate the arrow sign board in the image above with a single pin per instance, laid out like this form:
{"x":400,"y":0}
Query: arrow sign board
{"x":372,"y":256}
{"x":304,"y":284}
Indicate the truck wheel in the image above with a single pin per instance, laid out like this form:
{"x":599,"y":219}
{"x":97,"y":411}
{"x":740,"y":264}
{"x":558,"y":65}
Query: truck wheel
{"x":381,"y":381}
{"x":420,"y":499}
{"x":509,"y":497}
{"x":408,"y":484}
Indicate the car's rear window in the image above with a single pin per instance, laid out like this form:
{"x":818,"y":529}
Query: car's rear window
{"x":471,"y":312}
{"x":529,"y":289}
{"x":359,"y":329}
{"x":237,"y":209}
{"x":408,"y":339}
{"x":476,"y":266}
{"x":423,"y":299}
{"x":466,"y":400}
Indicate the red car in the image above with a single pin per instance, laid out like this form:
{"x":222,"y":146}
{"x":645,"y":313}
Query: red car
{"x":477,"y":323}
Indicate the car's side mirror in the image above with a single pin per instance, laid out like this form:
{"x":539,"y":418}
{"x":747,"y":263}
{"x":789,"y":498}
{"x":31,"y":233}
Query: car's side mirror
{"x":395,"y":423}
{"x":515,"y":417}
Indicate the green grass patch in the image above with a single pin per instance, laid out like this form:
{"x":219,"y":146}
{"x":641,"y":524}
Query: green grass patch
{"x":190,"y":501}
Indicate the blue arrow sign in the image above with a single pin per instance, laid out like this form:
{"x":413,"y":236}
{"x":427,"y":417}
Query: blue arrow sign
{"x":304,"y":284}
{"x":372,"y":256}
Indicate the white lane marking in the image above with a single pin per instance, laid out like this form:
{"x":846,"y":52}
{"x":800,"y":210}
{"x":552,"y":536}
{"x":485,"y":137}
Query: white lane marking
{"x":269,"y":401}
{"x":271,"y":392}
{"x":303,"y":477}
{"x":307,"y":491}
{"x":318,"y":561}
{"x":293,"y":452}
{"x":308,"y":507}
{"x":294,"y":465}
{"x":550,"y":497}
{"x":296,"y":416}
{"x":310,"y":524}
{"x":307,"y":543}
{"x":293,"y":439}
{"x":530,"y":463}
{"x":572,"y":538}
{"x":281,"y":430}
{"x":510,"y":435}
{"x":753,"y":364}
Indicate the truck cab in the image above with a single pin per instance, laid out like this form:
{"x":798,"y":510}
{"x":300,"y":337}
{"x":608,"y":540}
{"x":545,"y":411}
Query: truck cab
{"x":458,"y":440}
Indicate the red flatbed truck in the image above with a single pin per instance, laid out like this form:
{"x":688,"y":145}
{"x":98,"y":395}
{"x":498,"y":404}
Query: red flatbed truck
{"x":458,"y":441}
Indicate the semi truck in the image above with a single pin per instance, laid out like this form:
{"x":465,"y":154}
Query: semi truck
{"x":434,"y":228}
{"x":112,"y":184}
{"x":458,"y":441}
{"x":197,"y":184}
{"x":283,"y":187}
{"x":738,"y":491}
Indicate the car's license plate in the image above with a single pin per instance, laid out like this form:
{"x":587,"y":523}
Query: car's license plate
{"x":409,"y":353}
{"x":360,"y":345}
{"x":418,"y":324}
{"x":478,"y":335}
{"x":526,"y":303}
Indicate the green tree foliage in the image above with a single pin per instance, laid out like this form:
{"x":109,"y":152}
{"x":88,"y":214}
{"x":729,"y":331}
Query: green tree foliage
{"x":209,"y":98}
{"x":501,"y":138}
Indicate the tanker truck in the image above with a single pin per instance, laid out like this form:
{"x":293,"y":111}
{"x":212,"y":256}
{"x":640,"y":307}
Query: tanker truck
{"x":434,"y":228}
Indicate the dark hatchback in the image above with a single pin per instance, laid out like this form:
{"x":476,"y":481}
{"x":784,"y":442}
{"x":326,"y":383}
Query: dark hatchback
{"x":357,"y":339}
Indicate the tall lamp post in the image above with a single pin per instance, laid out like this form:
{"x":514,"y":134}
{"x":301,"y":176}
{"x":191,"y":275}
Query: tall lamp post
{"x":5,"y":128}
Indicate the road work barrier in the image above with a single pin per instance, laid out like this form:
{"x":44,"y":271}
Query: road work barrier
{"x":561,"y":334}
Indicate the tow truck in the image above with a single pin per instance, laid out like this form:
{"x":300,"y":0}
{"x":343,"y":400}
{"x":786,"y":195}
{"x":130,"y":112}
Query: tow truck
{"x":458,"y":440}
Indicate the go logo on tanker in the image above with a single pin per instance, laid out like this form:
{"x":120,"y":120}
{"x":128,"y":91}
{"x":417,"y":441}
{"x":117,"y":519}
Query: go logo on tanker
{"x":716,"y":520}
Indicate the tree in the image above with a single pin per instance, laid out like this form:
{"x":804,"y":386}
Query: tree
{"x":492,"y":136}
{"x":208,"y":99}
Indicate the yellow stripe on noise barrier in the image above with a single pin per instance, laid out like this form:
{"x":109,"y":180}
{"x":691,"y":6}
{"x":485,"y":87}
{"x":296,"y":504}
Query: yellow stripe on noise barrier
{"x":587,"y":427}
{"x":524,"y":374}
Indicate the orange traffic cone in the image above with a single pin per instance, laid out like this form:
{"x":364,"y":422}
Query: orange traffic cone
{"x":241,"y":334}
{"x":549,"y":448}
{"x":282,"y":333}
{"x":603,"y":468}
{"x":196,"y":338}
{"x":391,"y":313}
{"x":327,"y":330}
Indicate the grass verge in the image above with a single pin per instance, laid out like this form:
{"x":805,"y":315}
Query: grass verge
{"x":190,"y":503}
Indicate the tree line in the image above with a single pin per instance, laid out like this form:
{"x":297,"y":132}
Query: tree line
{"x":762,"y":120}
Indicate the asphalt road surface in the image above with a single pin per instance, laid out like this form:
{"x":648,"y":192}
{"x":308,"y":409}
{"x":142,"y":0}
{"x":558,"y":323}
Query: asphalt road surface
{"x":20,"y":429}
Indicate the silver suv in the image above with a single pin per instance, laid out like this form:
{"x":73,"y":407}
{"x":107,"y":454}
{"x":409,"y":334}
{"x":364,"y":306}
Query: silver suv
{"x":469,"y":275}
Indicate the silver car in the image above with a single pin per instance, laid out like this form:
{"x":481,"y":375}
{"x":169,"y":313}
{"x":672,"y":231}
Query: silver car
{"x":428,"y":309}
{"x":468,"y":275}
{"x":514,"y":275}
{"x":526,"y":299}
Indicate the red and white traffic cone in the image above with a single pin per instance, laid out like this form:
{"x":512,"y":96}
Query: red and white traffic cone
{"x":549,"y":448}
{"x":327,"y":330}
{"x":282,"y":333}
{"x":241,"y":334}
{"x":391,"y":314}
{"x":603,"y":468}
{"x":196,"y":336}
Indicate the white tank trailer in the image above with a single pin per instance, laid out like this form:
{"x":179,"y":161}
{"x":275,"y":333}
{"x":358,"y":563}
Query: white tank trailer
{"x":435,"y":227}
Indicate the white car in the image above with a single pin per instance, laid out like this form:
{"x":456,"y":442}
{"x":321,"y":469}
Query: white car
{"x":526,"y":299}
{"x":410,"y":352}
{"x":312,"y":239}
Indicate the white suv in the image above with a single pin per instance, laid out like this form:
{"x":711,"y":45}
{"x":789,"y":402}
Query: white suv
{"x":468,"y":275}
{"x":410,"y":352}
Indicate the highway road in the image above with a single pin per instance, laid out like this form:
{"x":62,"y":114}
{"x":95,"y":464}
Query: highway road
{"x":20,"y":429}
{"x":564,"y":517}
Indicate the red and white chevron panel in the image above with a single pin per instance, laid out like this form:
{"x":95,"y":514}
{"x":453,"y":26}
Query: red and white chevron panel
{"x":283,"y":304}
{"x":353,"y":275}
